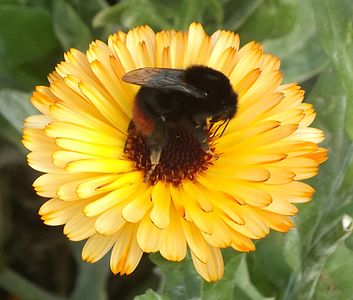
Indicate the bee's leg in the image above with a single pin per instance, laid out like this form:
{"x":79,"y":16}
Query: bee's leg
{"x":156,"y":143}
{"x":199,"y":130}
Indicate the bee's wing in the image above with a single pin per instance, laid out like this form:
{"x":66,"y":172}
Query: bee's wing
{"x":162,"y":78}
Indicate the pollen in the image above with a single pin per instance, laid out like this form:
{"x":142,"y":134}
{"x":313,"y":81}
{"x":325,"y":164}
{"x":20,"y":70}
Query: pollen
{"x":182,"y":156}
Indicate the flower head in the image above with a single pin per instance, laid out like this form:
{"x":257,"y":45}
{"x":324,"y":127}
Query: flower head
{"x":95,"y":166}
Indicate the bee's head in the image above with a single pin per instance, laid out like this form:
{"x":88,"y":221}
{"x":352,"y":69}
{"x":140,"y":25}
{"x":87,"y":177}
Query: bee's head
{"x":220,"y":98}
{"x":226,"y":109}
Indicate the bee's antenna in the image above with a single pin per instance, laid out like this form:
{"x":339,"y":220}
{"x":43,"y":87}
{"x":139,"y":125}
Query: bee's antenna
{"x":225,"y":126}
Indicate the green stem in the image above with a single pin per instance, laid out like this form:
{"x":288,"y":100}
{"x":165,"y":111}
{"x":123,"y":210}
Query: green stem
{"x":15,"y":284}
{"x":316,"y":259}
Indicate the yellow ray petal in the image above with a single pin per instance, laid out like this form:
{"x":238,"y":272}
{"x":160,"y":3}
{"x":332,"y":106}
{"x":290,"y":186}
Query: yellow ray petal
{"x":91,"y":186}
{"x":110,"y":221}
{"x":42,"y":98}
{"x":138,"y":207}
{"x":126,"y":252}
{"x":249,"y":173}
{"x":42,"y":161}
{"x":149,"y":236}
{"x":177,"y":52}
{"x":279,"y":175}
{"x":191,"y":189}
{"x":139,"y":35}
{"x":133,"y":177}
{"x":79,"y":227}
{"x":100,"y":165}
{"x":114,"y":88}
{"x":37,"y":121}
{"x":35,"y":139}
{"x":49,"y":183}
{"x":104,"y":102}
{"x":110,"y":200}
{"x":122,"y":55}
{"x":160,"y":213}
{"x":177,"y":200}
{"x":62,"y":158}
{"x":195,"y":39}
{"x":97,"y":246}
{"x":221,"y":237}
{"x":265,"y":85}
{"x":195,"y":214}
{"x":213,"y":269}
{"x":195,"y":241}
{"x":57,"y":212}
{"x":220,"y":41}
{"x":67,"y":191}
{"x":91,"y":149}
{"x":62,"y":112}
{"x":70,"y":130}
{"x":243,"y":83}
{"x":173,"y":246}
{"x":249,"y":61}
{"x":294,"y":192}
{"x":275,"y":221}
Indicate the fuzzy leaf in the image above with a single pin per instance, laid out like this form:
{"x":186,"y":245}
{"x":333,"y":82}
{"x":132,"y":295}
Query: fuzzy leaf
{"x":300,"y":50}
{"x":272,"y":19}
{"x":237,"y":12}
{"x":320,"y":222}
{"x":181,"y":281}
{"x":151,"y":295}
{"x":268,"y":269}
{"x":26,"y":34}
{"x":224,"y":289}
{"x":15,"y":106}
{"x":70,"y":29}
{"x":91,"y":282}
{"x":335,"y":29}
{"x":337,"y":277}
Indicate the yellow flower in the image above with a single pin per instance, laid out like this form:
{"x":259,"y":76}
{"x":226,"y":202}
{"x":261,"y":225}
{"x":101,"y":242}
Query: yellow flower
{"x":94,"y":170}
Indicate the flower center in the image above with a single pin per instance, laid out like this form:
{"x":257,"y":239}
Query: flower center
{"x":181,"y":157}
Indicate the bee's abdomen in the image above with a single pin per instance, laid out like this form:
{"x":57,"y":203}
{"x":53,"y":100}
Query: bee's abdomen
{"x":143,"y":124}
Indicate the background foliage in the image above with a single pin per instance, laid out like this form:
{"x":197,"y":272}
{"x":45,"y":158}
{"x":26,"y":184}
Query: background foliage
{"x":313,"y":38}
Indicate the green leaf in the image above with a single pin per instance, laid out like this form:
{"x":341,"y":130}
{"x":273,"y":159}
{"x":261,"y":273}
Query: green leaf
{"x":300,"y":50}
{"x":273,"y":18}
{"x":335,"y":29}
{"x":88,"y":9}
{"x":244,"y":289}
{"x":349,"y":242}
{"x":181,"y":281}
{"x":70,"y":29}
{"x":319,"y":223}
{"x":291,"y":250}
{"x":24,"y":289}
{"x":110,"y":15}
{"x":150,"y":295}
{"x":128,"y":14}
{"x":268,"y":269}
{"x":91,"y":282}
{"x":237,"y":12}
{"x":209,"y":12}
{"x":215,"y":10}
{"x":15,"y":106}
{"x":189,"y":11}
{"x":26,"y":34}
{"x":10,"y":134}
{"x":224,"y":289}
{"x":337,"y":277}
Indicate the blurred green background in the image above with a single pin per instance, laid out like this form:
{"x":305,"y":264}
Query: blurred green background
{"x":314,"y":39}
